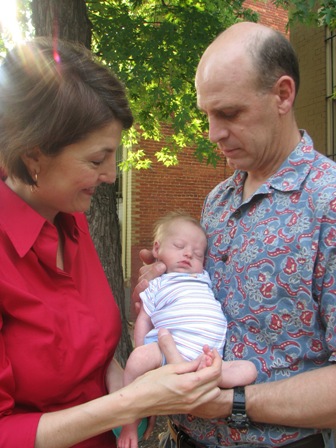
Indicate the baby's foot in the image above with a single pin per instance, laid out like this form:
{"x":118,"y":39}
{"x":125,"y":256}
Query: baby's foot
{"x":129,"y":436}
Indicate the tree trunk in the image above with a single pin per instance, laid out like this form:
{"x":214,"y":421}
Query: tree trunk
{"x":67,"y":19}
{"x":104,"y":226}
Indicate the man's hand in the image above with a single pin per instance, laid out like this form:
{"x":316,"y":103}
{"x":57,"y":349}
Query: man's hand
{"x":150,"y":270}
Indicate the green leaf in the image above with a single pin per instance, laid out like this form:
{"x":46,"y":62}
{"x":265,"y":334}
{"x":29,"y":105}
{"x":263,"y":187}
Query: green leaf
{"x":154,"y":47}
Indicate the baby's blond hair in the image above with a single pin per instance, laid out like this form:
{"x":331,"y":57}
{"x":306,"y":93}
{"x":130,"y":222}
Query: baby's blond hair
{"x":162,"y":224}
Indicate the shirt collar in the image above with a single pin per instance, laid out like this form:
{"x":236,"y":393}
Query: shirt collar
{"x":292,"y":172}
{"x":23,"y":224}
{"x":296,"y":167}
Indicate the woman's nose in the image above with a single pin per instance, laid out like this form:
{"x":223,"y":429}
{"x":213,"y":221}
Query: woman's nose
{"x":109,"y":173}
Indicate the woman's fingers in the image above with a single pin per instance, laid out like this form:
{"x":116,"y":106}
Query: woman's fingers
{"x":176,"y":388}
{"x":168,"y":346}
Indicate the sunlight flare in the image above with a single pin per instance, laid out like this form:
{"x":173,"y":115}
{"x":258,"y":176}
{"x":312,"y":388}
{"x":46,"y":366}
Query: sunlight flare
{"x":10,"y":28}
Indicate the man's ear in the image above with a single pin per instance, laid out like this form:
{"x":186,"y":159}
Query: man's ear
{"x":31,"y":158}
{"x":285,"y":91}
{"x":156,"y":248}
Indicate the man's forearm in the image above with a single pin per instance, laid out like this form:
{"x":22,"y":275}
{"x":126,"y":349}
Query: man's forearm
{"x":306,"y":400}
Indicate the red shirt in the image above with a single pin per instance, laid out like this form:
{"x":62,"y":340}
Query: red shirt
{"x":58,"y":329}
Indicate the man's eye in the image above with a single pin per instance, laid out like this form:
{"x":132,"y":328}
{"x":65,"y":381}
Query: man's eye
{"x":229,"y":115}
{"x":97,"y":162}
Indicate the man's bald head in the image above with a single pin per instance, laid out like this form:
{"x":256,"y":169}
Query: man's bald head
{"x":264,"y":52}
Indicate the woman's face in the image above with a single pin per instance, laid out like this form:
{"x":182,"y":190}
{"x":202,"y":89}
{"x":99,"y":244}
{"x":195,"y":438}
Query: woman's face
{"x":67,"y":182}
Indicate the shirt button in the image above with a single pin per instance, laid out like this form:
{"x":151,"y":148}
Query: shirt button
{"x":224,"y":258}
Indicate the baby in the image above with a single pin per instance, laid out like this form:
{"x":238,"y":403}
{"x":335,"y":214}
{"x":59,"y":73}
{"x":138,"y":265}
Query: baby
{"x":181,"y":301}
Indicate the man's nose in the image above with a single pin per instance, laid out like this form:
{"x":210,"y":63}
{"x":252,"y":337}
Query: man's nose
{"x":218,"y":130}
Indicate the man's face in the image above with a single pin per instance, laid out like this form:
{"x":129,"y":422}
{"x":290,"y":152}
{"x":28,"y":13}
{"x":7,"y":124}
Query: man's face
{"x":243,"y":120}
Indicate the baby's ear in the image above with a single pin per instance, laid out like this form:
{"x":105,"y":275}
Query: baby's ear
{"x":156,"y":247}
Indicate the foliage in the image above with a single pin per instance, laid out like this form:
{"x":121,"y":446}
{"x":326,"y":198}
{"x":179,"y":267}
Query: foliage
{"x":154,"y":46}
{"x":23,"y":25}
{"x":310,"y":12}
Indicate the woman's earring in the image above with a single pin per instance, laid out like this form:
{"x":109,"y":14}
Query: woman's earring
{"x":33,"y":187}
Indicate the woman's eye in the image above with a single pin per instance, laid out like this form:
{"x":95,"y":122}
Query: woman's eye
{"x":97,"y":162}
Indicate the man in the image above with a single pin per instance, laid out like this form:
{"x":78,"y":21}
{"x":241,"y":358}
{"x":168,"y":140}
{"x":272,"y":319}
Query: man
{"x":271,"y":250}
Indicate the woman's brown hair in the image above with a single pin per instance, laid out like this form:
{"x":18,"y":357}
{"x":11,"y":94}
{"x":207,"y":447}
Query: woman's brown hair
{"x":51,"y":96}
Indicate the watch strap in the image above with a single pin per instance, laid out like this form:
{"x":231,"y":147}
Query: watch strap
{"x":238,"y":418}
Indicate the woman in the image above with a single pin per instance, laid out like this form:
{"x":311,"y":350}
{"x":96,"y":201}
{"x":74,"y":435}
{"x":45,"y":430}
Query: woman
{"x":61,"y":119}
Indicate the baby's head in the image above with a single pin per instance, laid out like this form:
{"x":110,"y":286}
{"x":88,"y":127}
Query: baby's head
{"x":180,"y":243}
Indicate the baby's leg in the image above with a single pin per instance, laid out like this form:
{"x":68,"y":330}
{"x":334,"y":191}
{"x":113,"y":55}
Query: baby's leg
{"x":141,"y":360}
{"x":234,"y":373}
{"x":237,"y":373}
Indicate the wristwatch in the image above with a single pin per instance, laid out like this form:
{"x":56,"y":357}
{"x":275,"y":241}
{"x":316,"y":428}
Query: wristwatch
{"x":238,"y":419}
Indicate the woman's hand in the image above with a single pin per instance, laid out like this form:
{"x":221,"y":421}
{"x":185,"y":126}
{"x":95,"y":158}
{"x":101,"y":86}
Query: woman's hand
{"x":179,"y":388}
{"x":176,"y":388}
{"x":215,"y":408}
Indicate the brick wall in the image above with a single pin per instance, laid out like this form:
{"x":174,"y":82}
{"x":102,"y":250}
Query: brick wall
{"x":269,"y":15}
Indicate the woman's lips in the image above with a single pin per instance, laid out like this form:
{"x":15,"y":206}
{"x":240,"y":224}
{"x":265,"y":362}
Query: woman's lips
{"x":89,"y":191}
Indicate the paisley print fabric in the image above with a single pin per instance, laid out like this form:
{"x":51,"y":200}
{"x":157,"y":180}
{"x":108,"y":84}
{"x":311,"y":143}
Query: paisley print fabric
{"x":272,"y":262}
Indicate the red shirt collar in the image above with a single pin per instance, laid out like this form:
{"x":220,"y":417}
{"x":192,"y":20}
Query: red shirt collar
{"x":13,"y":210}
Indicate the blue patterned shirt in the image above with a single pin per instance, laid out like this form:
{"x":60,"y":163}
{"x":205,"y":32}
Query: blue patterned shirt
{"x":272,"y":262}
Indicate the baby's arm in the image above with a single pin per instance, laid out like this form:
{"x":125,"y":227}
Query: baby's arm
{"x":143,"y":325}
